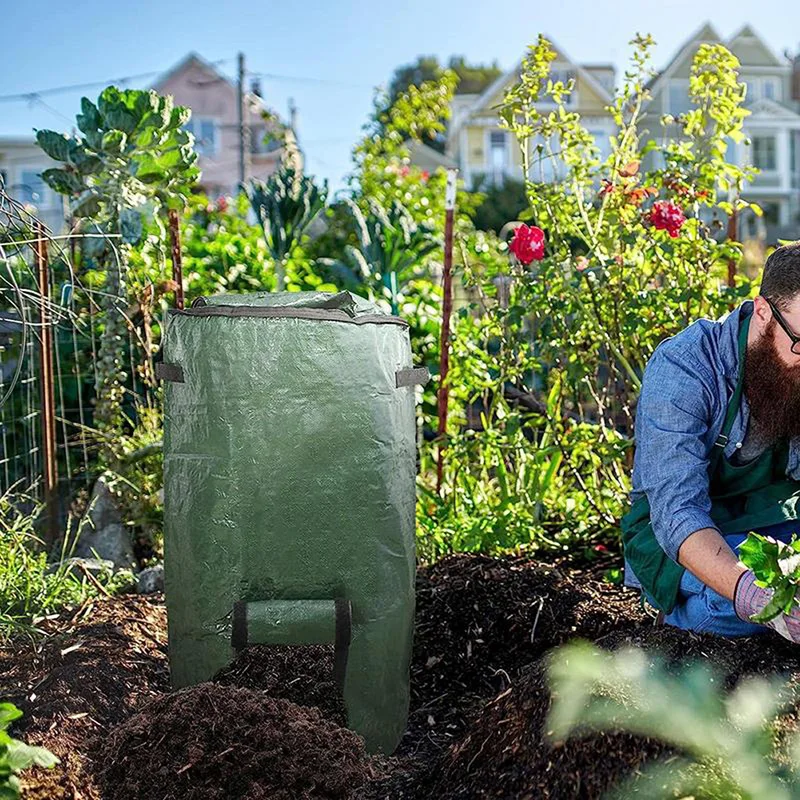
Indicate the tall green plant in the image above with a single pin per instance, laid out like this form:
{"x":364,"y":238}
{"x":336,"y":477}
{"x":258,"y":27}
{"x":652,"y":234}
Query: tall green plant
{"x":131,"y":158}
{"x":633,"y":254}
{"x":285,"y":204}
{"x":392,"y":249}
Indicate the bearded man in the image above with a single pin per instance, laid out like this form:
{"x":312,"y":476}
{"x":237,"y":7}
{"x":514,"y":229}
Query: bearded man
{"x":718,"y":456}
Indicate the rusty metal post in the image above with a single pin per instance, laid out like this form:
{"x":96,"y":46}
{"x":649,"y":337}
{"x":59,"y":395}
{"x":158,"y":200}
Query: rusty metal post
{"x":447,"y":309}
{"x":47,"y":389}
{"x":177,"y":258}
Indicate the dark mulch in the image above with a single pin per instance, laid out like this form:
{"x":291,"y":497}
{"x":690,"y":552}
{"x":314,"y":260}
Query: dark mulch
{"x":478,"y":706}
{"x":214,"y":742}
{"x":98,"y":664}
{"x":479,"y":621}
{"x":303,"y":675}
{"x":506,"y":754}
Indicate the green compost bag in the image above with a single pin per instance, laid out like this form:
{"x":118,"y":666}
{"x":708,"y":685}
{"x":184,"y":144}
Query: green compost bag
{"x":289,"y":490}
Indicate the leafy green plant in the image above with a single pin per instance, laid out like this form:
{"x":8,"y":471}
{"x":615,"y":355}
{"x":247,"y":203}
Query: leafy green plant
{"x":285,"y":204}
{"x":726,"y":744}
{"x":776,"y":566}
{"x":132,"y":157}
{"x":392,"y":249}
{"x":16,"y":756}
{"x":633,"y":253}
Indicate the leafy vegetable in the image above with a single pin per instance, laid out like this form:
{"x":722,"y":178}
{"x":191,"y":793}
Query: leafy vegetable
{"x":776,"y":566}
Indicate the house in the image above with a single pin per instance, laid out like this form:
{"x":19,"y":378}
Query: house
{"x":214,"y":101}
{"x":21,"y":163}
{"x":772,"y":127}
{"x":486,"y":152}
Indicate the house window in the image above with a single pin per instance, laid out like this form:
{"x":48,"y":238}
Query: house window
{"x":204,"y":130}
{"x":30,"y":188}
{"x":764,"y":153}
{"x":678,"y":98}
{"x":771,"y":89}
{"x":498,"y":156}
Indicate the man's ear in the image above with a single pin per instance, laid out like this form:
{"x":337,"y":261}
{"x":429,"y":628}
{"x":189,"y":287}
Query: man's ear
{"x":762,"y":312}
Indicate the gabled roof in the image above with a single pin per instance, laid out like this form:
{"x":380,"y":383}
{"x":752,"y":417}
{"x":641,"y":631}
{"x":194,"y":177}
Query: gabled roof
{"x":193,"y":59}
{"x":748,"y":32}
{"x":706,"y":33}
{"x":512,"y":74}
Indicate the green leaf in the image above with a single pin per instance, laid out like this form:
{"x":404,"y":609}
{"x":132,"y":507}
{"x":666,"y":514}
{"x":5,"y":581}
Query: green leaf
{"x":761,"y":556}
{"x":87,"y":205}
{"x":120,"y":120}
{"x":56,"y":145}
{"x":131,"y":226}
{"x":89,"y":118}
{"x":8,"y":713}
{"x":62,"y":181}
{"x":114,"y":141}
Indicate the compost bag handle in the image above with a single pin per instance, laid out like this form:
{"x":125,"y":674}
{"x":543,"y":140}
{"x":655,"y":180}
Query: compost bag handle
{"x":411,"y":376}
{"x":296,"y":622}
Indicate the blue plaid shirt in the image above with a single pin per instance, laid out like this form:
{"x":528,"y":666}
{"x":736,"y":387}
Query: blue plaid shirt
{"x":685,"y":392}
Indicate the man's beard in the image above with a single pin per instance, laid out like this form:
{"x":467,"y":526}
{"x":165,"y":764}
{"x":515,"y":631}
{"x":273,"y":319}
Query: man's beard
{"x":772,"y":388}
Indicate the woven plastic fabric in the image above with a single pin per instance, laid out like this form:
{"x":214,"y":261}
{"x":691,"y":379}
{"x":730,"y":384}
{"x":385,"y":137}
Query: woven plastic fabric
{"x":289,"y":474}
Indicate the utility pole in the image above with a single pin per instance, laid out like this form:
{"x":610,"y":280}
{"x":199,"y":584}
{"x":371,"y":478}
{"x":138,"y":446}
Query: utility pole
{"x":447,"y":308}
{"x":244,"y":139}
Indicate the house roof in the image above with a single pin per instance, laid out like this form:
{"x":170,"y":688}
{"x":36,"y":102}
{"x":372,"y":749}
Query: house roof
{"x":708,"y":33}
{"x":513,"y":73}
{"x":195,"y":59}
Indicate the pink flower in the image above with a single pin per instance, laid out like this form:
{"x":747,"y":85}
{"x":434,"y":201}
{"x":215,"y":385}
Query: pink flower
{"x":667,"y":216}
{"x":222,"y":204}
{"x":581,"y":263}
{"x":403,"y":171}
{"x":528,"y":244}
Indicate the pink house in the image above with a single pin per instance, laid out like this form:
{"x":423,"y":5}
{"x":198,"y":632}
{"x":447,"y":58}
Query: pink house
{"x":214,"y":101}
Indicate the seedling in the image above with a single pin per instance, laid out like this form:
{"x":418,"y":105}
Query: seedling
{"x":15,"y":756}
{"x":776,"y":566}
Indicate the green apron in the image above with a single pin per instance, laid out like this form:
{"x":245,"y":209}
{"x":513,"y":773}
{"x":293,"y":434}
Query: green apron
{"x":754,"y":495}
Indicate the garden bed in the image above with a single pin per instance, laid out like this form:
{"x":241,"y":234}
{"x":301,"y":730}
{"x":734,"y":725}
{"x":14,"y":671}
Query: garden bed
{"x":95,"y":691}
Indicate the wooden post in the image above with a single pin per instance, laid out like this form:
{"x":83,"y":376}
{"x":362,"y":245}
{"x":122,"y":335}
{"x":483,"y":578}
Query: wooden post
{"x":47,"y":389}
{"x":177,"y":258}
{"x":447,"y":308}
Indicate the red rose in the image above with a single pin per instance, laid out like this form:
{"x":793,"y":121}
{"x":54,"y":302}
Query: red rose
{"x":528,"y":244}
{"x":425,"y":175}
{"x":666,"y":216}
{"x":222,"y":204}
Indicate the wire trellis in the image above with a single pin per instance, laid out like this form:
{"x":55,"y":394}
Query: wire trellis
{"x":48,"y":316}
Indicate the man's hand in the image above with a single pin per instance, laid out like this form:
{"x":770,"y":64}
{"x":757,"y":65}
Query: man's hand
{"x":750,"y":599}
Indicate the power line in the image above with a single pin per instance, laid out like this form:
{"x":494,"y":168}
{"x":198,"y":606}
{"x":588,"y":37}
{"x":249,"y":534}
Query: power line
{"x":302,"y":79}
{"x":77,"y":87}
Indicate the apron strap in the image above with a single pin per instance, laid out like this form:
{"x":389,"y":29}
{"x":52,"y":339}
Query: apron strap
{"x":735,"y":401}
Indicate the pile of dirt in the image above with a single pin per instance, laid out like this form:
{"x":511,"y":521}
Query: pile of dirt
{"x":303,"y":675}
{"x":214,"y":742}
{"x":478,"y":706}
{"x":98,"y":664}
{"x":506,"y":753}
{"x":480,"y":620}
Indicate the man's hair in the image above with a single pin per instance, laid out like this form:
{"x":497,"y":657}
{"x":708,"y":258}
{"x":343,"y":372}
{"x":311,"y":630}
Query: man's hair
{"x":781,"y":280}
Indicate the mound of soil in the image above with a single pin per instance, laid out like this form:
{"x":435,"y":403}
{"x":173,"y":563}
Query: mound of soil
{"x":98,"y":663}
{"x":506,"y":754}
{"x":303,"y":675}
{"x":214,"y":742}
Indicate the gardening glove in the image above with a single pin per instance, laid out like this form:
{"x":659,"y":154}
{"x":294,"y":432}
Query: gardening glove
{"x":749,"y":599}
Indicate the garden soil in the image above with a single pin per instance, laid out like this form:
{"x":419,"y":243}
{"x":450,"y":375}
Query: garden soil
{"x":95,"y":690}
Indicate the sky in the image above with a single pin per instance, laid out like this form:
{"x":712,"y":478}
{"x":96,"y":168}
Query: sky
{"x":329,"y":56}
